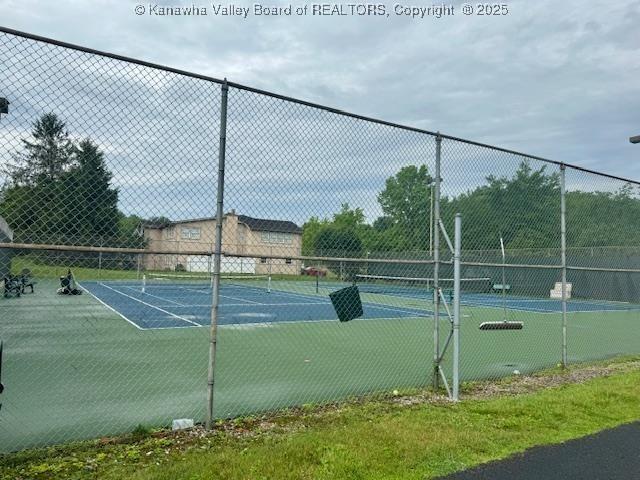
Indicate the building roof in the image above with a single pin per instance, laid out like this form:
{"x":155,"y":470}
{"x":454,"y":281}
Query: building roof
{"x":264,"y":225}
{"x":256,"y":224}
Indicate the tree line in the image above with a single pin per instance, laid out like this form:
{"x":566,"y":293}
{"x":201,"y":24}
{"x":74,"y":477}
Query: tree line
{"x":58,"y":191}
{"x":523,"y":209}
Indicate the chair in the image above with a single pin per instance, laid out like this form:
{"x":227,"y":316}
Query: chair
{"x":27,"y":280}
{"x":12,"y":285}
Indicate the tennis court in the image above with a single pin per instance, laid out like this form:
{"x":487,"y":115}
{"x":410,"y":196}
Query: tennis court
{"x":183,"y":301}
{"x":173,"y":301}
{"x":280,"y":344}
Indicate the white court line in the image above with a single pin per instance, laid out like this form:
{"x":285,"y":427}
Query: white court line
{"x":153,"y":306}
{"x":111,"y":308}
{"x":209,"y":293}
{"x":262,"y":304}
{"x":242,"y":300}
{"x":155,"y":296}
{"x":550,"y":301}
{"x":197,"y":325}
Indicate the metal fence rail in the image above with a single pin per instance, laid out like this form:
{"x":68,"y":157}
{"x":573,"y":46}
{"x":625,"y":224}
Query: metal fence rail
{"x":205,"y":224}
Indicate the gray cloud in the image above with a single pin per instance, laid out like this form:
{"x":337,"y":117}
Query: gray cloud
{"x":555,"y":79}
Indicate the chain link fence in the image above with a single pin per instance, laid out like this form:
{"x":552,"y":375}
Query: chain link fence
{"x":182,"y":235}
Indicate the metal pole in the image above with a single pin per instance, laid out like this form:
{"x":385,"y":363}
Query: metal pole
{"x":563,"y":261}
{"x":504,"y":280}
{"x":436,"y":265}
{"x":217,"y":256}
{"x":431,"y":219}
{"x":456,"y":306}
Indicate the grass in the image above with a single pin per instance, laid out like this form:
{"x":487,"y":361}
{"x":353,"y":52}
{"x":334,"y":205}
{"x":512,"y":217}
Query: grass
{"x":42,"y":270}
{"x":45,"y":271}
{"x":374,"y":439}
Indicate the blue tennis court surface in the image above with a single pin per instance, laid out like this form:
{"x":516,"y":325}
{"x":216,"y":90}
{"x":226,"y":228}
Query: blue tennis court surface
{"x":154,"y":306}
{"x":162,"y":307}
{"x":510,"y":301}
{"x":543,"y":305}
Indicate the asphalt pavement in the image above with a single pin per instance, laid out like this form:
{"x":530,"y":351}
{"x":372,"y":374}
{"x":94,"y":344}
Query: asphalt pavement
{"x":608,"y":455}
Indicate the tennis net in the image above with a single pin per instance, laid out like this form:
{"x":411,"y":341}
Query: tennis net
{"x":390,"y":285}
{"x":203,"y":282}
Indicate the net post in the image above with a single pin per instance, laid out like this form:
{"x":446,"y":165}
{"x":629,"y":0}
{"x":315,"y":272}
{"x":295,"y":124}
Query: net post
{"x":99,"y":266}
{"x":269,"y":260}
{"x":217,"y":256}
{"x":139,"y":266}
{"x":436,"y":265}
{"x":210,"y":270}
{"x":563,"y":261}
{"x":456,"y":308}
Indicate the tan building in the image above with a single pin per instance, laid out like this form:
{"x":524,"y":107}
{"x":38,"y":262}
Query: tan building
{"x":255,"y":239}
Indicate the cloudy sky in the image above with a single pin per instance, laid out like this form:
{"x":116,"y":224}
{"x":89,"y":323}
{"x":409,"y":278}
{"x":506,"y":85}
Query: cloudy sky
{"x":556,"y":79}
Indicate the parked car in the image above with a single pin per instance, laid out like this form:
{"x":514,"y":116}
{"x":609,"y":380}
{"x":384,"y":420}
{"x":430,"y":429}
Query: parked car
{"x":314,"y":272}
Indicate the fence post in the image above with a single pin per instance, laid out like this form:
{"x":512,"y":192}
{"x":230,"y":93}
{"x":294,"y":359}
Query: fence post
{"x":436,"y":265}
{"x":456,"y":307}
{"x":215,"y":298}
{"x":563,"y":261}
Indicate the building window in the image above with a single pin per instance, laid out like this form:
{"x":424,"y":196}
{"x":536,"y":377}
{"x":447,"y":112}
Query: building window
{"x":287,"y":261}
{"x":169,"y":233}
{"x":276,"y":237}
{"x":263,"y":260}
{"x":190,"y":233}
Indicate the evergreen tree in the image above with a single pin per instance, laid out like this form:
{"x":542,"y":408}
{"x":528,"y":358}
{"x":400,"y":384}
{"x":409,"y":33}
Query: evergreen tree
{"x":92,"y":204}
{"x":45,"y":158}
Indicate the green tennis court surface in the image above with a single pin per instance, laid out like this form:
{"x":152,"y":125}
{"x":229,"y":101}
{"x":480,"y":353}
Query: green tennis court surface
{"x":74,"y":368}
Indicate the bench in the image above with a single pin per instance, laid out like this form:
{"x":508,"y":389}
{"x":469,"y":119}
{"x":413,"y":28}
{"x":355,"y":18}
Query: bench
{"x":12,"y":285}
{"x":556,"y":291}
{"x":498,"y":287}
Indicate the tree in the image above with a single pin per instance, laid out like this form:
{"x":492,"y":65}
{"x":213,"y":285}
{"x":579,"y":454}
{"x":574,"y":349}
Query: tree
{"x":30,"y":201}
{"x":349,"y":218}
{"x":603,"y":218}
{"x":310,"y":231}
{"x":523,"y":209}
{"x":93,"y":204}
{"x":59,"y":192}
{"x":47,"y":157}
{"x":346,"y":219}
{"x":406,"y":202}
{"x":130,"y":228}
{"x":337,"y":241}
